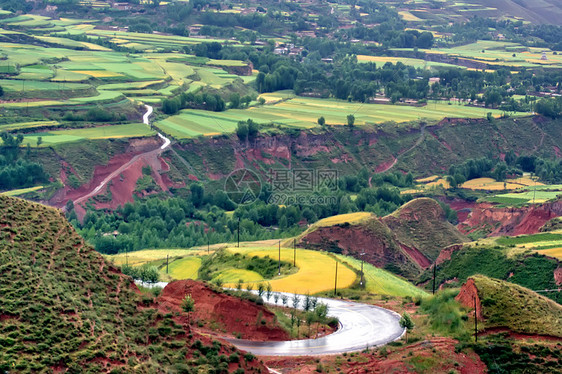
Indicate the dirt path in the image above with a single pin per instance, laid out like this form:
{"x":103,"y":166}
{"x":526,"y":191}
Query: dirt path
{"x":122,"y":168}
{"x":390,"y":166}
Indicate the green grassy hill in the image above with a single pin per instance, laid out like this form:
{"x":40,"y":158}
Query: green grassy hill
{"x":422,"y":224}
{"x":523,"y":267}
{"x":519,"y":309}
{"x":405,"y":242}
{"x":64,"y":308}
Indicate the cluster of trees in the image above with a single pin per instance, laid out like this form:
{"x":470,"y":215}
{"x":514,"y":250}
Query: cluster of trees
{"x":478,"y":168}
{"x":550,"y":107}
{"x":17,"y":172}
{"x":549,"y":171}
{"x":247,"y":130}
{"x":206,"y":101}
{"x":146,"y":274}
{"x":200,"y":216}
{"x":390,"y":34}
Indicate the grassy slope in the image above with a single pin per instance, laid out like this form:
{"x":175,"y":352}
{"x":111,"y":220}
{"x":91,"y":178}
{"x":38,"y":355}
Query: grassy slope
{"x":421,"y":223}
{"x":63,"y":306}
{"x":505,"y":304}
{"x":443,"y":145}
{"x":527,"y":269}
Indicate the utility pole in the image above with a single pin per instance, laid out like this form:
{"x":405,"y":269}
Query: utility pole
{"x":208,"y":245}
{"x":475,"y":321}
{"x":336,"y":281}
{"x":279,"y":273}
{"x":167,"y":261}
{"x":535,"y":188}
{"x":362,"y":282}
{"x":238,"y":232}
{"x":295,"y":253}
{"x":434,"y":273}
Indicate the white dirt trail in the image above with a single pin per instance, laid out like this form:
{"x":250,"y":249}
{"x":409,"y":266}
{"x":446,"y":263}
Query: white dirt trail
{"x":125,"y":166}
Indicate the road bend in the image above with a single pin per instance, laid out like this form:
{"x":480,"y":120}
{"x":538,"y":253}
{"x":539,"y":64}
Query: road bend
{"x":362,"y":326}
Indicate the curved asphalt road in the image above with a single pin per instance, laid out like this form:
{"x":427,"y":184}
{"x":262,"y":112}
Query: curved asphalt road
{"x":361,"y":326}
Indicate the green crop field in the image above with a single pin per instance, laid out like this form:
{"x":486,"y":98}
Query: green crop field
{"x":303,"y":113}
{"x":415,"y":62}
{"x":504,"y":54}
{"x":51,"y":138}
{"x":536,"y":194}
{"x":234,"y":275}
{"x":28,"y":125}
{"x":73,"y":81}
{"x":382,"y":282}
{"x":529,"y":239}
{"x":21,"y":191}
{"x":184,"y":268}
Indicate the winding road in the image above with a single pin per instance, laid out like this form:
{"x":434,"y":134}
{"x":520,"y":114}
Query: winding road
{"x":361,"y":326}
{"x":125,"y":166}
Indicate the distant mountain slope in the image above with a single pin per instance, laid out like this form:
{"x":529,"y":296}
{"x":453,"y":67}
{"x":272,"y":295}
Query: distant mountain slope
{"x":504,"y":304}
{"x":535,"y":11}
{"x":64,"y":308}
{"x":405,"y":242}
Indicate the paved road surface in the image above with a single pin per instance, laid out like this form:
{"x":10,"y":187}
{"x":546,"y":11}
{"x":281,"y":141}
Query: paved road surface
{"x":361,"y":326}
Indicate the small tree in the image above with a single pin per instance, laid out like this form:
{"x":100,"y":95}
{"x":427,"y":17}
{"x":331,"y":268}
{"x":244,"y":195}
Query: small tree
{"x":309,"y":319}
{"x":406,"y":323}
{"x":39,"y":141}
{"x":321,"y":312}
{"x":149,"y":274}
{"x":276,"y":297}
{"x":350,"y":120}
{"x":242,"y":130}
{"x":239,"y":284}
{"x":261,"y":289}
{"x":249,"y":287}
{"x":268,"y":292}
{"x":188,"y":305}
{"x":313,"y":302}
{"x":296,"y":301}
{"x":307,"y":303}
{"x":284,"y":300}
{"x":322,"y":121}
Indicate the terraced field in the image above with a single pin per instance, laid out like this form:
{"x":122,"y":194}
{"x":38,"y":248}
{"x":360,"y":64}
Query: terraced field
{"x":499,"y":54}
{"x":549,"y":244}
{"x":415,"y":62}
{"x":50,"y":138}
{"x":61,"y":75}
{"x":303,"y":113}
{"x":538,"y":194}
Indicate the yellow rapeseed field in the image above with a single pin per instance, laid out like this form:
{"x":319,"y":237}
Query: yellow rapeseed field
{"x":316,"y":270}
{"x":343,"y":218}
{"x":148,"y":255}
